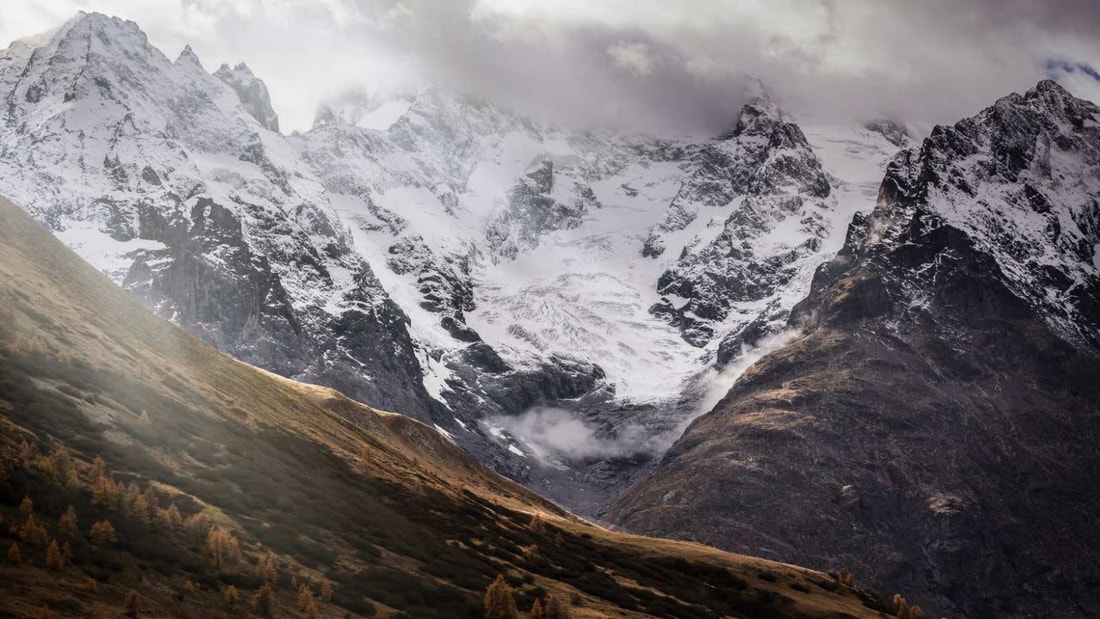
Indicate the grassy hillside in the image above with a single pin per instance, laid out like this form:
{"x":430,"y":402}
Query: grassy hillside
{"x":217,"y":477}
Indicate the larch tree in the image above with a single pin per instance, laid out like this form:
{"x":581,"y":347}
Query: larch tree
{"x":54,"y":560}
{"x":103,"y":533}
{"x":499,"y":603}
{"x":13,"y":554}
{"x":231,"y":597}
{"x":264,"y":601}
{"x":130,"y":604}
{"x":68,"y":527}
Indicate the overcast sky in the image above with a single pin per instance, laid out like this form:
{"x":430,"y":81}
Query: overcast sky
{"x":648,"y":65}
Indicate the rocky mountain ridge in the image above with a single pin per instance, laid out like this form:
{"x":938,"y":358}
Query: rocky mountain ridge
{"x":930,"y":426}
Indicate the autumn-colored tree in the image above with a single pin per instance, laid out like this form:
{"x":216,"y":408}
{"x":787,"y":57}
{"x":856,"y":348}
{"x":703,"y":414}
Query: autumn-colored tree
{"x":902,"y":606}
{"x":67,"y":526}
{"x":99,"y":468}
{"x":151,"y":499}
{"x":54,"y":560}
{"x":26,"y":453}
{"x":105,"y":492}
{"x":231,"y":597}
{"x":13,"y":553}
{"x":188,"y":586}
{"x":91,"y":585}
{"x":138,"y":508}
{"x":103,"y":533}
{"x":306,"y":603}
{"x":555,"y":607}
{"x":72,"y":478}
{"x":198,"y":524}
{"x":143,"y":418}
{"x":66,"y":554}
{"x":26,"y":506}
{"x":170,"y":517}
{"x":499,"y":603}
{"x":305,"y":595}
{"x":536,"y":610}
{"x":263,"y":603}
{"x":846,"y":577}
{"x":222,"y":547}
{"x":266,"y":568}
{"x":33,"y":533}
{"x":130,"y":604}
{"x":43,"y":613}
{"x":327,"y":591}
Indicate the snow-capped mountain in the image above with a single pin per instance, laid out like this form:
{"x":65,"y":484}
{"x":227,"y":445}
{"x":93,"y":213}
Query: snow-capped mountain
{"x":461,"y":264}
{"x":1022,"y":180}
{"x":932,"y":425}
{"x":161,"y":175}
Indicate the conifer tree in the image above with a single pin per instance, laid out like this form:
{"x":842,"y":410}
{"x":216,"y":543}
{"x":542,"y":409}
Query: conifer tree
{"x":130,"y":604}
{"x":536,"y":610}
{"x":33,"y":533}
{"x":264,"y":601}
{"x":231,"y":597}
{"x":54,"y":560}
{"x":26,"y":507}
{"x":99,"y":468}
{"x":846,"y":577}
{"x":327,"y":591}
{"x":43,"y":613}
{"x":555,"y":608}
{"x":103,"y":533}
{"x":266,"y":568}
{"x":499,"y":603}
{"x":13,"y":554}
{"x":67,"y":526}
{"x":305,"y":594}
{"x":306,"y":603}
{"x":170,"y":517}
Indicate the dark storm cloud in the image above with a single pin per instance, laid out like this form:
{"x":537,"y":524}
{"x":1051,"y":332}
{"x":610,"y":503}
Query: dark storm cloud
{"x":924,"y":61}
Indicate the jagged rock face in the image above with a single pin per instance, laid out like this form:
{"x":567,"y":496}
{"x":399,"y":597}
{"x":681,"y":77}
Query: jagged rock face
{"x":156,"y":173}
{"x":932,"y":428}
{"x":252,"y":92}
{"x":1023,"y":179}
{"x":766,"y":175}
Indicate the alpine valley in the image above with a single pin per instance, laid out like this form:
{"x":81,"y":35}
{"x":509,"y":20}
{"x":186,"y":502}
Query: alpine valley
{"x":830,"y":345}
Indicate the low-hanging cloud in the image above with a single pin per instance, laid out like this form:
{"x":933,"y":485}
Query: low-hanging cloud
{"x":559,"y":435}
{"x":646,"y":65}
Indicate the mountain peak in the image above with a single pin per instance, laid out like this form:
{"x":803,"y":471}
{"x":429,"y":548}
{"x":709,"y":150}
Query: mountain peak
{"x":760,"y":112}
{"x":188,"y":56}
{"x":252,"y":92}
